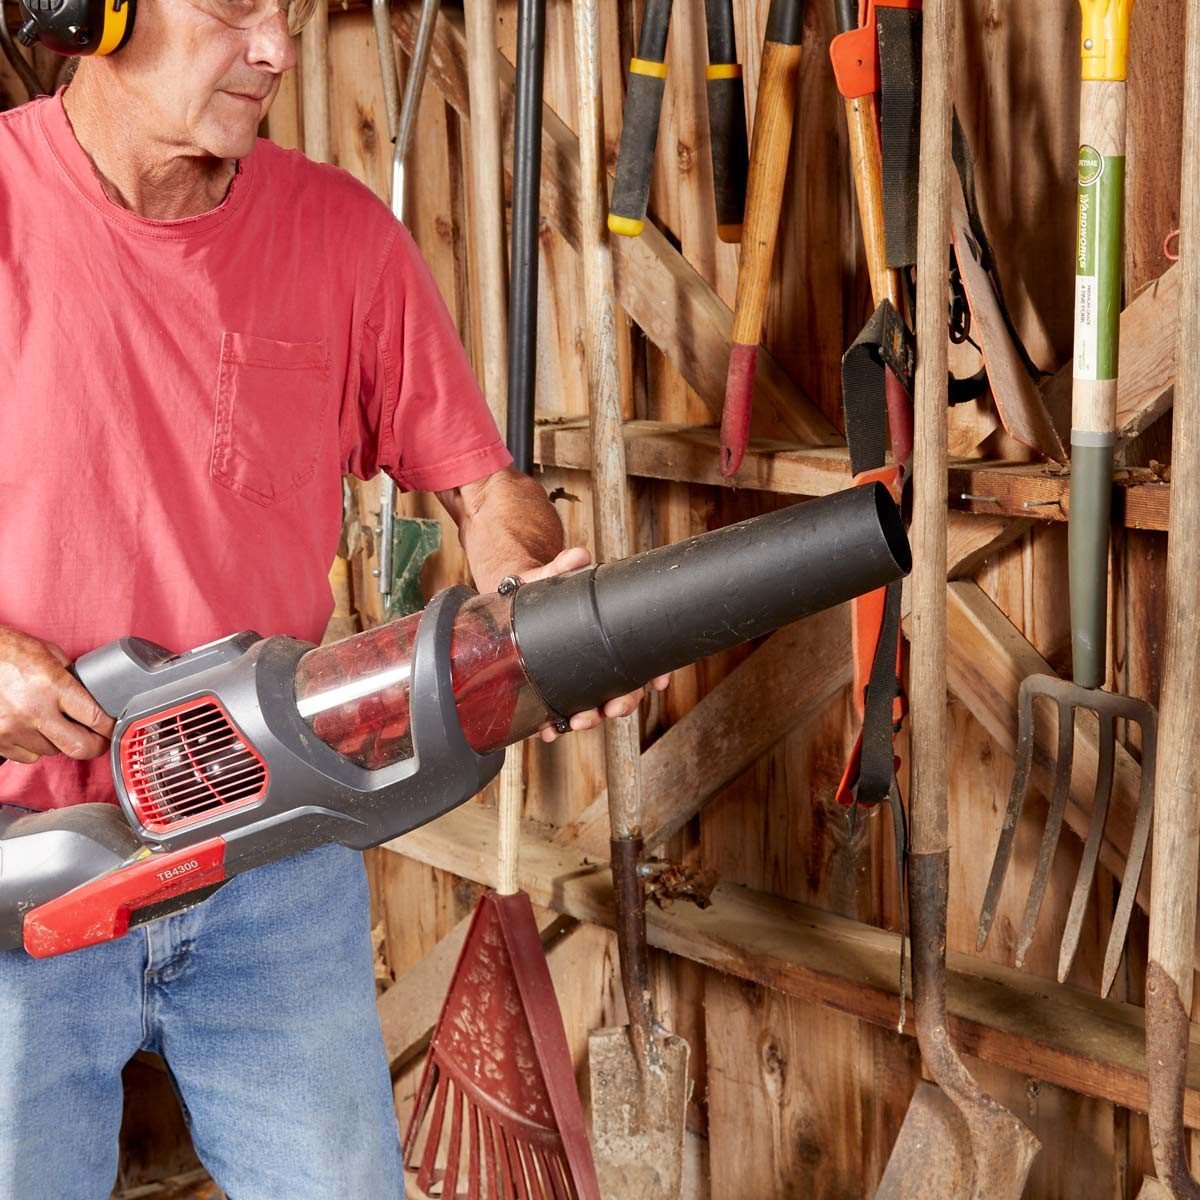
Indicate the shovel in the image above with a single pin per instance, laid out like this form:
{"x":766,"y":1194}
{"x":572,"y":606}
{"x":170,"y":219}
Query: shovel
{"x":1176,"y":836}
{"x":638,"y":1074}
{"x":1093,"y":437}
{"x":956,"y":1141}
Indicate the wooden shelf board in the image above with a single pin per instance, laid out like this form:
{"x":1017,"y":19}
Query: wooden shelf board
{"x":1065,"y":1036}
{"x":688,"y":454}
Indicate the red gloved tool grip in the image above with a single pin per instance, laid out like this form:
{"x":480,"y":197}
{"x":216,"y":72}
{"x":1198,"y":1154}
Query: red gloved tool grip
{"x":102,"y":909}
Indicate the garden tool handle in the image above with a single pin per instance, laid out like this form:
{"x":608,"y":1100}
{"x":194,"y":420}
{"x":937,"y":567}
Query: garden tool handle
{"x":381,"y":12}
{"x":526,"y":210}
{"x":1099,"y":252}
{"x":726,"y":120}
{"x":1169,"y":975}
{"x":774,"y":117}
{"x":927,"y":686}
{"x":857,"y":83}
{"x":488,"y":257}
{"x":639,"y":127}
{"x":488,"y":261}
{"x":510,"y":794}
{"x":610,"y":501}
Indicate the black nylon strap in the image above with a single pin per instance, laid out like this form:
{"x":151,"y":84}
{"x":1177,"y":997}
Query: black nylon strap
{"x":899,"y":40}
{"x":885,"y":342}
{"x":876,"y":770}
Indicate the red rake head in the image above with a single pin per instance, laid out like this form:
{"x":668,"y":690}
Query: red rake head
{"x":180,"y":764}
{"x":498,"y":1084}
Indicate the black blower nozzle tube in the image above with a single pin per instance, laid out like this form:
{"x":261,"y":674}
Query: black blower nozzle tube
{"x":597,"y":633}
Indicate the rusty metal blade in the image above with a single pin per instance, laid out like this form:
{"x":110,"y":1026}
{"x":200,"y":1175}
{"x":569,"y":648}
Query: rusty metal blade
{"x":956,"y":1143}
{"x":638,"y":1115}
{"x":1147,"y":718}
{"x":1016,"y":802}
{"x":1107,"y":748}
{"x":1153,"y":1190}
{"x":932,"y":1157}
{"x":1054,"y":818}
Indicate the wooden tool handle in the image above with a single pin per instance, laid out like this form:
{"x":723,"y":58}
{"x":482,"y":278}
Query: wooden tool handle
{"x":866,"y":165}
{"x":1176,"y":832}
{"x":488,"y":262}
{"x":488,"y":233}
{"x":314,"y":84}
{"x":381,"y":12}
{"x":639,"y":126}
{"x":610,"y":499}
{"x":769,"y":147}
{"x":928,"y":658}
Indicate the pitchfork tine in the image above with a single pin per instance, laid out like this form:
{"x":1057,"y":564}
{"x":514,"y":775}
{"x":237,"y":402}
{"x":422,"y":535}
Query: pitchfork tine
{"x":1091,"y":849}
{"x":1050,"y":835}
{"x":1016,"y":801}
{"x":1147,"y":718}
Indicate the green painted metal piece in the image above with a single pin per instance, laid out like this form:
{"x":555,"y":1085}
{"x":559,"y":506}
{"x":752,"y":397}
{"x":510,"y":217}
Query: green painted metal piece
{"x":414,"y":539}
{"x":1087,"y":551}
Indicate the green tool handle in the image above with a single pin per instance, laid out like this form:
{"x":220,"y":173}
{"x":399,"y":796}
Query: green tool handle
{"x":1098,"y":258}
{"x":639,"y":126}
{"x":726,"y":120}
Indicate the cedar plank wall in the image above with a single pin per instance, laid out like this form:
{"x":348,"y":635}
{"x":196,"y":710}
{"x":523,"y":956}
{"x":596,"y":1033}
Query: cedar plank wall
{"x":820,"y":1094}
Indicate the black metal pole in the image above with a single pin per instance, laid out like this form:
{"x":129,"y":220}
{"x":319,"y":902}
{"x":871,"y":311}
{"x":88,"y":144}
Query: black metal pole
{"x":523,"y":276}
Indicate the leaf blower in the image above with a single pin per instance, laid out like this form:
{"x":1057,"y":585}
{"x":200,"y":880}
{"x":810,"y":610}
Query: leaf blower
{"x":251,"y":749}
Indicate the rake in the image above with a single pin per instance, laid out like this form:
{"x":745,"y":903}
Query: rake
{"x":1101,"y":203}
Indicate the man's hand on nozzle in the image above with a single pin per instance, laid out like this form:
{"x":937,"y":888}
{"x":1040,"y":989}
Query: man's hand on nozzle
{"x":44,"y":709}
{"x":572,"y":559}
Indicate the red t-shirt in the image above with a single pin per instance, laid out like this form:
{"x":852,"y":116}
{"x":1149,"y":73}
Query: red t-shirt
{"x":180,"y":401}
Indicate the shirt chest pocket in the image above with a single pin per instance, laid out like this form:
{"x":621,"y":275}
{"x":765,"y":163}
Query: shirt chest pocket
{"x":272,"y":409}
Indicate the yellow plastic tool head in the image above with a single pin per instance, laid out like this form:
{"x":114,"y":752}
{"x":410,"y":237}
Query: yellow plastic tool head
{"x":1104,"y":39}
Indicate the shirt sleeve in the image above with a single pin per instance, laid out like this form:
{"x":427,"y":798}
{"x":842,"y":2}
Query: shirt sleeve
{"x":420,"y":415}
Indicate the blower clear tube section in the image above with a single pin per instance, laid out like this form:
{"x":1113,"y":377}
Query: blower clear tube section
{"x":355,"y":694}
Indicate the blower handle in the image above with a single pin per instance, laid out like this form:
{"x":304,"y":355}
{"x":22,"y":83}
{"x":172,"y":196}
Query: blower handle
{"x":594,"y":634}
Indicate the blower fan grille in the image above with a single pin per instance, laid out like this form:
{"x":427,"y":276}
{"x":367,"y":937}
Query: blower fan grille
{"x":180,"y":765}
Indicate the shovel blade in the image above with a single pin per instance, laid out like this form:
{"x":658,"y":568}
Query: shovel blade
{"x":1153,"y":1190}
{"x":639,"y":1114}
{"x":934,"y":1158}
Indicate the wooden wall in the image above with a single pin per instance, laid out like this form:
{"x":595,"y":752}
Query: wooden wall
{"x":794,"y":1098}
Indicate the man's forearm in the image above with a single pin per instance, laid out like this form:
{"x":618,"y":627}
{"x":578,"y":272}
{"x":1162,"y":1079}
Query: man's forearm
{"x":506,"y":525}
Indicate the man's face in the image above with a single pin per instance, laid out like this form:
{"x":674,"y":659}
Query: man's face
{"x":206,"y":71}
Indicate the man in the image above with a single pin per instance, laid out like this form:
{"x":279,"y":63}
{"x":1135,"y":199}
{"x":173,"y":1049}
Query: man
{"x":203,"y":333}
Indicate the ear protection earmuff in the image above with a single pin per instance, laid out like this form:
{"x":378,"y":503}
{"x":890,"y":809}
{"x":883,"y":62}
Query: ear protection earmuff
{"x":75,"y":27}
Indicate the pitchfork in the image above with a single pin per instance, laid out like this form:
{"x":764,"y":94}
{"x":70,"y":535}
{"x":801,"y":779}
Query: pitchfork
{"x":1093,"y":435}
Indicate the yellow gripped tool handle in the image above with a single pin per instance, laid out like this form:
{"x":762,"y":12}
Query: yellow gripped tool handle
{"x":1099,"y":253}
{"x":1104,"y":39}
{"x":639,"y":128}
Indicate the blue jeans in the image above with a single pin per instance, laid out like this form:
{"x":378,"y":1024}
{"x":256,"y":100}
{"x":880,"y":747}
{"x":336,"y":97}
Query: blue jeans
{"x":262,"y":1002}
